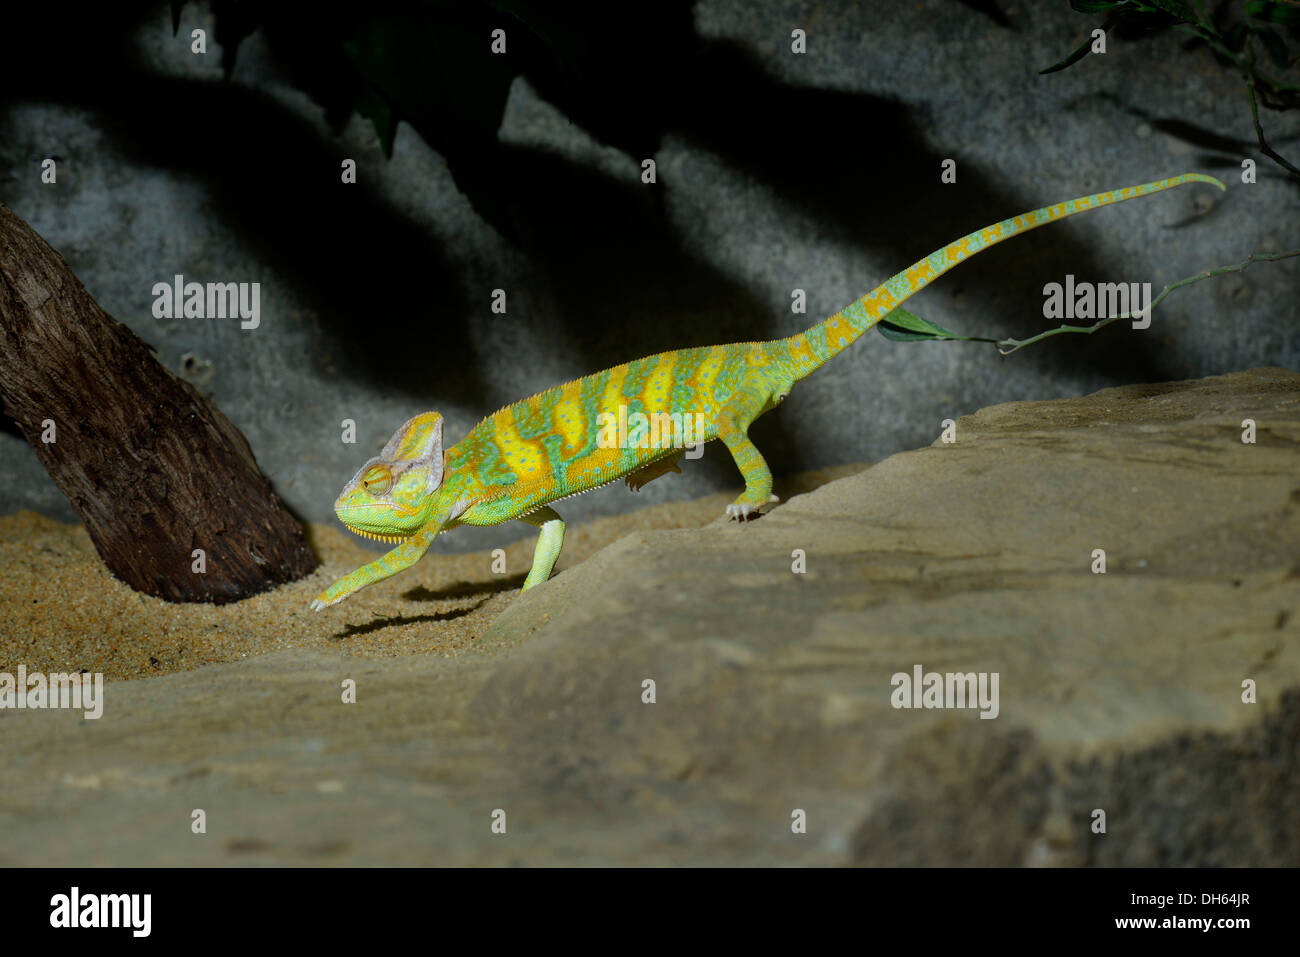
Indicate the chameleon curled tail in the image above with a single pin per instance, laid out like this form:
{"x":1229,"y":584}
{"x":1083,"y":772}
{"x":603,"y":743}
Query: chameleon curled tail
{"x":522,"y":458}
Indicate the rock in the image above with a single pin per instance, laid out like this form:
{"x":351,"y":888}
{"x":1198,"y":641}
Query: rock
{"x":1119,"y":692}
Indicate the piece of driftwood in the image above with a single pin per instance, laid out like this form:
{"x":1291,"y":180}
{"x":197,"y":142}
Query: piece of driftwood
{"x":156,"y":471}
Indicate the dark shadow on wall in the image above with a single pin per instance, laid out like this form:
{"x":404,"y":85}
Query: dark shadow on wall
{"x":865,"y":167}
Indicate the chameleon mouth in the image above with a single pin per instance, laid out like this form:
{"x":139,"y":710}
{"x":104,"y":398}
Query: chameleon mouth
{"x":375,"y":536}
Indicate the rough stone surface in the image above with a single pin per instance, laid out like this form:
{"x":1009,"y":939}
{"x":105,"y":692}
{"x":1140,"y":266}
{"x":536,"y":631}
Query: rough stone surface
{"x":1120,"y":692}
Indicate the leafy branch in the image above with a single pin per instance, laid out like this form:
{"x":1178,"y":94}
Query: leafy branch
{"x":1262,"y":24}
{"x":430,"y":65}
{"x":1008,"y":346}
{"x":903,"y":326}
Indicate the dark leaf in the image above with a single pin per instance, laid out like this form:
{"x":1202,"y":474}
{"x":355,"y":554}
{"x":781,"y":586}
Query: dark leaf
{"x":375,"y":108}
{"x":438,"y":74}
{"x":1084,"y":47}
{"x":1236,"y":38}
{"x":1176,"y":8}
{"x":441,"y":79}
{"x":1274,"y":12}
{"x":903,"y":326}
{"x":176,"y":16}
{"x":1275,"y":46}
{"x":1095,"y":6}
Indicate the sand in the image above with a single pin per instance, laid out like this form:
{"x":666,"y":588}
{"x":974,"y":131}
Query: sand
{"x":61,"y":610}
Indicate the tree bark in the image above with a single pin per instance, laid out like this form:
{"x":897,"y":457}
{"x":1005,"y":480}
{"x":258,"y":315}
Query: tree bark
{"x":153,"y":468}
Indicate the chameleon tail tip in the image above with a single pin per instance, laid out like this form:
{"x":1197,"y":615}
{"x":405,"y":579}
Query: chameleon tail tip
{"x":1207,"y":178}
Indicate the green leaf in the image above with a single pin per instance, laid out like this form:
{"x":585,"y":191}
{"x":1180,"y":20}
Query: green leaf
{"x":439,"y":77}
{"x":1176,"y":8}
{"x":903,"y":326}
{"x":1273,"y":11}
{"x":1275,"y":46}
{"x":1084,"y":47}
{"x":433,"y":68}
{"x":372,"y":105}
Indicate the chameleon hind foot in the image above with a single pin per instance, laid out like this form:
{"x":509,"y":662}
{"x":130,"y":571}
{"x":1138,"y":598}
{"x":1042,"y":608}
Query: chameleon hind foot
{"x":644,"y":476}
{"x":747,"y":511}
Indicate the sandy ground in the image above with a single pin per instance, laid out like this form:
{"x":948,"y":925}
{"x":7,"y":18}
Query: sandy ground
{"x":61,"y":609}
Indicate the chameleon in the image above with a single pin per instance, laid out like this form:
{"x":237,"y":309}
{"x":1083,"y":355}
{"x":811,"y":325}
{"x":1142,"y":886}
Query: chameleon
{"x":578,"y":436}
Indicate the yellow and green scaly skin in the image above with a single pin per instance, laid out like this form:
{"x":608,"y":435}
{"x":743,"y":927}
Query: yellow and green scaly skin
{"x":558,"y":443}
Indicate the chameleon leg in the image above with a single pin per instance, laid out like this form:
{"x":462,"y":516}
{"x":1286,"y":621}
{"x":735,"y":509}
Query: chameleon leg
{"x":643,"y":477}
{"x":549,"y":543}
{"x":746,"y":404}
{"x":403,"y":556}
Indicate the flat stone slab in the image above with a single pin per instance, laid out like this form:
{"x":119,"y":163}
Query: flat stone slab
{"x":1118,"y":693}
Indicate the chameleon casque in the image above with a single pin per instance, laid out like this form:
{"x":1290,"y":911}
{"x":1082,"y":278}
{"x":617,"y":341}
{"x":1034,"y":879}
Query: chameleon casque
{"x":516,"y":462}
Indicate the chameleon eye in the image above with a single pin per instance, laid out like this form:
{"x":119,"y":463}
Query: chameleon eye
{"x":377,"y":480}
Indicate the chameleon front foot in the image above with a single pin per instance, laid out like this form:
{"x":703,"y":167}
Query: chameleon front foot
{"x":549,"y":543}
{"x":403,"y":556}
{"x":330,"y":596}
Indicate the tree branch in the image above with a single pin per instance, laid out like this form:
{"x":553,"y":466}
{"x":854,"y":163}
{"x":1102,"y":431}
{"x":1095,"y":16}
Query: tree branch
{"x":152,"y":467}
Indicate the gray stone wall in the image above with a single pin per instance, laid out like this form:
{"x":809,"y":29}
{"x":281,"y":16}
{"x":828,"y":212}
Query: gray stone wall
{"x":818,"y":172}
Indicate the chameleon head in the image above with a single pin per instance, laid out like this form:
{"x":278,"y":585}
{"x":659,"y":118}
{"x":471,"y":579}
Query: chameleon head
{"x":393,"y":495}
